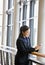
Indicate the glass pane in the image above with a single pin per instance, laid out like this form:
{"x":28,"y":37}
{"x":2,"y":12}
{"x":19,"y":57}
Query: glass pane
{"x":9,"y":35}
{"x":10,"y":3}
{"x":0,"y":34}
{"x":31,"y":25}
{"x":0,"y":20}
{"x":24,"y":11}
{"x":35,"y":29}
{"x":9,"y":19}
{"x":19,"y":14}
{"x":0,"y":28}
{"x":9,"y":29}
{"x":1,"y":6}
{"x":32,"y":4}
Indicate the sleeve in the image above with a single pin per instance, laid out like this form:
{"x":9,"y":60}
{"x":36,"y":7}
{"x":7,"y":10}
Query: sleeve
{"x":23,"y":48}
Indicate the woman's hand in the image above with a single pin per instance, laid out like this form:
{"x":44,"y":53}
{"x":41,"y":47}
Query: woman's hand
{"x":37,"y":47}
{"x":38,"y":54}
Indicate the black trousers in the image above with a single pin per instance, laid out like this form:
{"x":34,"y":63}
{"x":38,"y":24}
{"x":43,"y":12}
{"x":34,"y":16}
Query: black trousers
{"x":20,"y":63}
{"x":21,"y":60}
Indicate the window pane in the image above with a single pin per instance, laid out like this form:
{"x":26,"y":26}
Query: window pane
{"x":10,"y":3}
{"x":9,"y":29}
{"x":9,"y":35}
{"x":24,"y":11}
{"x":24,"y":14}
{"x":31,"y":25}
{"x":9,"y":19}
{"x":0,"y":20}
{"x":32,"y":4}
{"x":0,"y":34}
{"x":0,"y":28}
{"x":1,"y":6}
{"x":19,"y":14}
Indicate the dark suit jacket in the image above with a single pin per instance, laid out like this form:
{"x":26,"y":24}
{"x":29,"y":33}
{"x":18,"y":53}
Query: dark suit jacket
{"x":24,"y":48}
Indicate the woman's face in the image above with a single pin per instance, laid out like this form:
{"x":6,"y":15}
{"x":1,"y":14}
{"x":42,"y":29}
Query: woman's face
{"x":26,"y":33}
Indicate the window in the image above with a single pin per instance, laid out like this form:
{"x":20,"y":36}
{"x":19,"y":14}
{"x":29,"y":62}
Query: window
{"x":9,"y":22}
{"x":29,"y":15}
{"x":0,"y":28}
{"x":9,"y":26}
{"x":1,"y":19}
{"x":24,"y":12}
{"x":33,"y":22}
{"x":10,"y":4}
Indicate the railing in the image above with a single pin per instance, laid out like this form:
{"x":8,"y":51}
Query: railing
{"x":7,"y":55}
{"x":33,"y":60}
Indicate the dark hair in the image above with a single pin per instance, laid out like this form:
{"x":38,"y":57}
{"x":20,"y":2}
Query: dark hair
{"x":23,"y":28}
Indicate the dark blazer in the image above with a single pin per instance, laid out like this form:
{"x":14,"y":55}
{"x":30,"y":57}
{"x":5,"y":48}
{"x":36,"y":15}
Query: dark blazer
{"x":24,"y":48}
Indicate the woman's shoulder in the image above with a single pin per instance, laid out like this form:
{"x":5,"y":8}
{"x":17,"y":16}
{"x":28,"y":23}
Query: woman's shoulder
{"x":20,"y":39}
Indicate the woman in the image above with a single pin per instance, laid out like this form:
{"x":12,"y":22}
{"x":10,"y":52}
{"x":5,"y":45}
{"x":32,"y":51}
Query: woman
{"x":24,"y":47}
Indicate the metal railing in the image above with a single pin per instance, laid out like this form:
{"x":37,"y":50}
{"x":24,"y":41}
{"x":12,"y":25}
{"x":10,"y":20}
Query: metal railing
{"x":35,"y":61}
{"x":7,"y":55}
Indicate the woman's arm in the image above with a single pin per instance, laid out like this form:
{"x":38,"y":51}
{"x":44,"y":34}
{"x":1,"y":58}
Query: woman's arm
{"x":38,"y":54}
